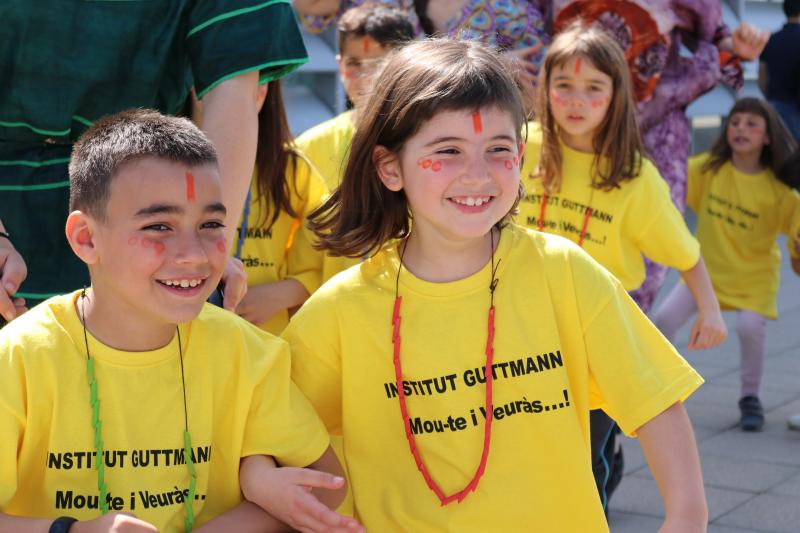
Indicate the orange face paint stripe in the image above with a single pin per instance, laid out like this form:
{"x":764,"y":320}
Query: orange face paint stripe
{"x":190,"y":196}
{"x":578,"y":65}
{"x":366,"y":46}
{"x":476,"y":122}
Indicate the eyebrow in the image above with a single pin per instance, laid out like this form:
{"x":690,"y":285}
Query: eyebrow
{"x":439,"y":140}
{"x":171,"y":209}
{"x":559,"y":77}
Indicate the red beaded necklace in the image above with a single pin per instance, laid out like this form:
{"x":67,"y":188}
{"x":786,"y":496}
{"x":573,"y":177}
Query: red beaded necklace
{"x":398,"y":372}
{"x":586,"y":217}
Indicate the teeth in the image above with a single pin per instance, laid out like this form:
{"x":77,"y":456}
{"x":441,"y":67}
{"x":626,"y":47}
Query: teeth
{"x":471,"y":201}
{"x":183,"y":283}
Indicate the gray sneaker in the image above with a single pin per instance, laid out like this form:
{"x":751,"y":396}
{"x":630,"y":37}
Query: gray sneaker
{"x":794,"y":422}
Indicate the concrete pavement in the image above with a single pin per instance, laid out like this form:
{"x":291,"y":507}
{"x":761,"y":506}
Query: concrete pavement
{"x":752,"y":480}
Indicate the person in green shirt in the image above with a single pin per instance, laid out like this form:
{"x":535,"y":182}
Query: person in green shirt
{"x":67,"y":64}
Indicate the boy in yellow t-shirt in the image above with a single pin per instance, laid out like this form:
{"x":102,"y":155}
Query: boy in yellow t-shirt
{"x":134,"y":396}
{"x":366,"y":34}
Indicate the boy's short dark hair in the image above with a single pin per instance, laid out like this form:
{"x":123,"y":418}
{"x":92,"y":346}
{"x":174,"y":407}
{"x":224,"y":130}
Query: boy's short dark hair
{"x":791,"y":8}
{"x":116,"y":140}
{"x":387,"y":26}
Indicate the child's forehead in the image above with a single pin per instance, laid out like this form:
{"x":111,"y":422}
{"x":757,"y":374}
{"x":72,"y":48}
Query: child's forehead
{"x":362,"y":46}
{"x":152,"y":180}
{"x":457,"y":121}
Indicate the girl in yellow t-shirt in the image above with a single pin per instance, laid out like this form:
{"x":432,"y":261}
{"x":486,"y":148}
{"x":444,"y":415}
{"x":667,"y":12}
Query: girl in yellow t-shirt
{"x":460,"y":361}
{"x":741,"y":208}
{"x":272,"y":240}
{"x":586,"y":180}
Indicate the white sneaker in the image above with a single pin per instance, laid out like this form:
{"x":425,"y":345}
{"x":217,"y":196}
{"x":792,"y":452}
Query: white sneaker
{"x":794,"y":422}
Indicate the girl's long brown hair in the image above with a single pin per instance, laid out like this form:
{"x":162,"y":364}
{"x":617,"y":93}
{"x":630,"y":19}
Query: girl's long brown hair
{"x":274,"y":156}
{"x":617,"y":137}
{"x":419,"y":80}
{"x":773,"y":155}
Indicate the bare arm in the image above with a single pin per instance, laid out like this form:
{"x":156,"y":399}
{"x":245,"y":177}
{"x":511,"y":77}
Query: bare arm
{"x":709,"y":329}
{"x":669,"y":445}
{"x":230,"y":119}
{"x":103,"y":524}
{"x":763,"y":78}
{"x":319,"y":8}
{"x":244,"y":518}
{"x":12,"y":273}
{"x":301,"y":497}
{"x":262,"y":302}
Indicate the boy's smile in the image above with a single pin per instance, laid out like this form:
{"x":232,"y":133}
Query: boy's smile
{"x":161,"y":249}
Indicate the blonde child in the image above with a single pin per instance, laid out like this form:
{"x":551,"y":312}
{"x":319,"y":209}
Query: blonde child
{"x":741,"y":208}
{"x":460,"y":361}
{"x":272,"y":239}
{"x":587,"y":180}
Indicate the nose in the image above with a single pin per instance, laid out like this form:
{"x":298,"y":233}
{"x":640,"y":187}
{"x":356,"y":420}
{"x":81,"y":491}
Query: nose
{"x":476,"y":171}
{"x":189,"y":249}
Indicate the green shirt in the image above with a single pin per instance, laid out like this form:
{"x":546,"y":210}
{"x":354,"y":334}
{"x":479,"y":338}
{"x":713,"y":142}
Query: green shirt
{"x":66,"y":64}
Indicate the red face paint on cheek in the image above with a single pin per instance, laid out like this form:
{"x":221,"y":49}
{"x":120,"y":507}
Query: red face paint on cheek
{"x":600,"y":102}
{"x":190,"y":196}
{"x":508,"y":164}
{"x":578,"y":65}
{"x":222,"y":247}
{"x":477,"y":125}
{"x":147,"y":243}
{"x":424,"y":163}
{"x":436,"y":166}
{"x":159,"y":247}
{"x":133,"y":241}
{"x":558,"y":99}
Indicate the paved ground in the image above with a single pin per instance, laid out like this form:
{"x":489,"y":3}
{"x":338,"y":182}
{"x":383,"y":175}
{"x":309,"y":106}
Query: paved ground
{"x":752,"y":480}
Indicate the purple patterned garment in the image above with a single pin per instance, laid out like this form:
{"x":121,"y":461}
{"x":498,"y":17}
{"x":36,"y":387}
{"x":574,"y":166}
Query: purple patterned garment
{"x":508,"y":24}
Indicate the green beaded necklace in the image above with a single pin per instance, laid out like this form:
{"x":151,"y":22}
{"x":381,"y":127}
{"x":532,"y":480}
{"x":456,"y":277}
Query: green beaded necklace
{"x":188,"y":522}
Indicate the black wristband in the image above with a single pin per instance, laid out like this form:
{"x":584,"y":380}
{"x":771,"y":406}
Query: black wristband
{"x":62,"y":524}
{"x":6,"y":235}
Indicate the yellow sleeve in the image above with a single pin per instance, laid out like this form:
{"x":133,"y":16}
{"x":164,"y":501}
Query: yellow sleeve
{"x":635,"y":373}
{"x":281,"y":422}
{"x":316,"y":357}
{"x":303,"y":262}
{"x":660,"y":231}
{"x":790,"y":211}
{"x":695,"y":182}
{"x":12,"y":421}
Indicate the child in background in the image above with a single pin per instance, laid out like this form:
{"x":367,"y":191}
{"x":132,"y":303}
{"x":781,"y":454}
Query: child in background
{"x":460,"y":361}
{"x":587,"y":180}
{"x":272,"y":241}
{"x":132,"y":397}
{"x":741,"y":208}
{"x":366,"y":34}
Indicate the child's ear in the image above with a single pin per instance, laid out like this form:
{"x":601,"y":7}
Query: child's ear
{"x":387,"y":164}
{"x":80,"y":234}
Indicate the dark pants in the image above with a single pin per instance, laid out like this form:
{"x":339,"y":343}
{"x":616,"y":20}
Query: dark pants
{"x":607,"y":461}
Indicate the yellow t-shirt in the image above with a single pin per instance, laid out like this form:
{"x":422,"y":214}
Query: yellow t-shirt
{"x":568,"y":339}
{"x":284,"y":251}
{"x":327,"y":146}
{"x":635,"y":219}
{"x":240,"y":401}
{"x":739,"y":217}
